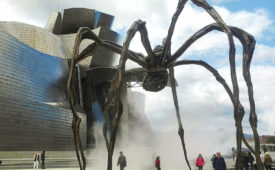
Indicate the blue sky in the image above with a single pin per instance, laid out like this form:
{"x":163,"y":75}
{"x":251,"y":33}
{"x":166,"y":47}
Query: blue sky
{"x":249,"y":5}
{"x":252,"y":5}
{"x":204,"y":105}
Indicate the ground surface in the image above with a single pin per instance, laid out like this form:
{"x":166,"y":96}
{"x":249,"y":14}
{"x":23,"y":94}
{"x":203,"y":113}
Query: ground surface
{"x":64,"y":164}
{"x":71,"y":164}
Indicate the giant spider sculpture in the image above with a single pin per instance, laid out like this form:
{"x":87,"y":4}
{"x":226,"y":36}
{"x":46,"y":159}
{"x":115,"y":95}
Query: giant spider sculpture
{"x":159,"y":63}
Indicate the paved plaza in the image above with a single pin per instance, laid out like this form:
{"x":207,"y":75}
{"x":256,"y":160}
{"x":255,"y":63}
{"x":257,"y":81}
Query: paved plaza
{"x":72,"y":164}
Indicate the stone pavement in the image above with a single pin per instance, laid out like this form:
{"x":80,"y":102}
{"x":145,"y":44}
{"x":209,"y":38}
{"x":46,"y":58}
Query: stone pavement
{"x":71,"y":164}
{"x":56,"y":169}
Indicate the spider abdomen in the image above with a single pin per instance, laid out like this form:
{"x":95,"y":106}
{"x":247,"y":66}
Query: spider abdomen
{"x":155,"y":81}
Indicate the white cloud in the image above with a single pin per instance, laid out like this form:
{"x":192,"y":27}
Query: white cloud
{"x":28,"y":11}
{"x":255,"y":23}
{"x":156,"y":13}
{"x":264,"y":54}
{"x":203,"y":101}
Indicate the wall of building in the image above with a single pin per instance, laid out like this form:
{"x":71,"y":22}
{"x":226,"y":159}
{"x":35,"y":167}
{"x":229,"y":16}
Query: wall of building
{"x":36,"y":37}
{"x":35,"y":114}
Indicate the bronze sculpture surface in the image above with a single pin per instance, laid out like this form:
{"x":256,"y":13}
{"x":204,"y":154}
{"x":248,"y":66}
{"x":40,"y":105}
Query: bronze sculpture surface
{"x":159,"y":63}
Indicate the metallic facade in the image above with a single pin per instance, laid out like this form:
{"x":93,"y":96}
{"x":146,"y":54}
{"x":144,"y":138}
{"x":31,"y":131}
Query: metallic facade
{"x":34,"y":108}
{"x":36,"y":37}
{"x":29,"y":74}
{"x":34,"y":113}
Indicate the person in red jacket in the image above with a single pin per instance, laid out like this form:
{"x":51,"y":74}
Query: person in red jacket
{"x":200,"y":162}
{"x":157,"y":163}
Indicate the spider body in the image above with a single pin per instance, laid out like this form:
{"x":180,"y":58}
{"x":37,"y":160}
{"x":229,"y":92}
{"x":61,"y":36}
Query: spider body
{"x":155,"y":81}
{"x":157,"y":53}
{"x":157,"y":74}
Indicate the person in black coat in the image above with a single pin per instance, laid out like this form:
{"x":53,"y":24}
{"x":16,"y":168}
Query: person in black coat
{"x":213,"y":159}
{"x":121,"y":161}
{"x":245,"y":160}
{"x":43,"y":155}
{"x":219,"y":163}
{"x":251,"y":160}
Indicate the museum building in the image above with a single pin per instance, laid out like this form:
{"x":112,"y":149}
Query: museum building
{"x":34,"y":64}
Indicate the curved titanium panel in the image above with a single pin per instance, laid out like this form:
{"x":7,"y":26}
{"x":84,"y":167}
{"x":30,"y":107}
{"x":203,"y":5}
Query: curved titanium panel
{"x":32,"y":126}
{"x":54,"y":23}
{"x":103,"y":20}
{"x":103,"y":57}
{"x":29,"y":80}
{"x":69,"y":41}
{"x":29,"y":74}
{"x":74,"y":18}
{"x":36,"y":37}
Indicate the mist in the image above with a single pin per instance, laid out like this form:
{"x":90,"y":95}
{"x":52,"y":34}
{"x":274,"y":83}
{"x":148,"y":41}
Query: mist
{"x":145,"y":141}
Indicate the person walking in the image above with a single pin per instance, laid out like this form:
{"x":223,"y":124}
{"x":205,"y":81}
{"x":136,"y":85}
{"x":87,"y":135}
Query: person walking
{"x":43,"y":156}
{"x":157,"y":163}
{"x":267,"y":161}
{"x":121,"y":161}
{"x":219,"y":163}
{"x":200,"y":162}
{"x":245,"y":160}
{"x":212,"y":159}
{"x":36,"y":161}
{"x":233,"y":153}
{"x":251,"y":160}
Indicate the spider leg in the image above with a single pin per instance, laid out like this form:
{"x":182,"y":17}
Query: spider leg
{"x":167,"y":43}
{"x":237,"y":113}
{"x":221,"y":80}
{"x":115,"y":92}
{"x":175,"y":98}
{"x":248,"y":43}
{"x":214,"y":14}
{"x":139,"y":26}
{"x":139,"y":58}
{"x":87,"y":33}
{"x":88,"y":51}
{"x":76,"y":119}
{"x":145,"y":41}
{"x":246,"y":39}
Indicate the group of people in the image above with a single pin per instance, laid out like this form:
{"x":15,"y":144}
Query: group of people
{"x":122,"y":161}
{"x":37,"y":158}
{"x":247,"y":161}
{"x":217,"y":161}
